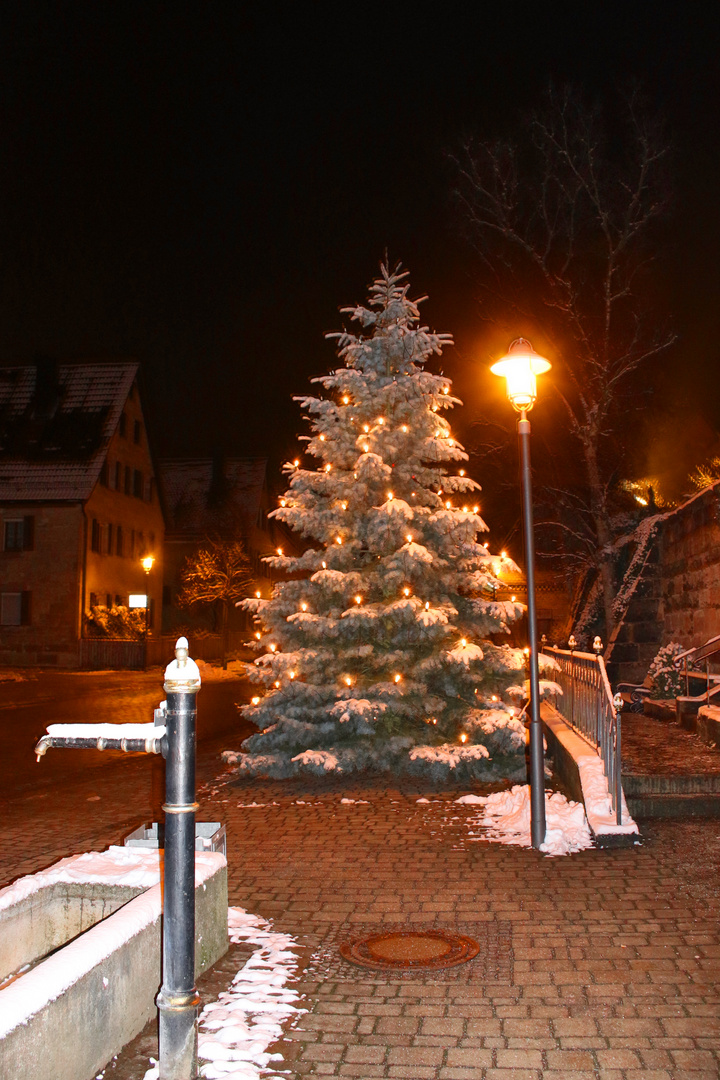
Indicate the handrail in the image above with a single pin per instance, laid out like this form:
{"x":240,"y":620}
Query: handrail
{"x":588,"y":706}
{"x":690,"y":657}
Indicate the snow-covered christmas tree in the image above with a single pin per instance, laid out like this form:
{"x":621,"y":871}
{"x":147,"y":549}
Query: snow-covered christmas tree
{"x":377,"y":653}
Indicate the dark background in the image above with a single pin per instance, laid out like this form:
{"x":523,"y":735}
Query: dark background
{"x":203,"y":185}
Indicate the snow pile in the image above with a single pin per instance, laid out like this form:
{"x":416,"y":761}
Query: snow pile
{"x":506,"y":817}
{"x":236,"y":1030}
{"x":597,"y":798}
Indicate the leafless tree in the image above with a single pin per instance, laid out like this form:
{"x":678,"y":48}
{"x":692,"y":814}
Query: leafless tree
{"x":564,"y":218}
{"x":217,"y":574}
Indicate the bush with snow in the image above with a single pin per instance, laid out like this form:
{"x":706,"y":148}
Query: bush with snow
{"x":667,"y":681}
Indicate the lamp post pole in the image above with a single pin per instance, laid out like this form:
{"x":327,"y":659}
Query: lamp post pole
{"x":537,"y":759}
{"x":520,"y":368}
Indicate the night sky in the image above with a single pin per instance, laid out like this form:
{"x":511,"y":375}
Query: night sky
{"x":203,"y":185}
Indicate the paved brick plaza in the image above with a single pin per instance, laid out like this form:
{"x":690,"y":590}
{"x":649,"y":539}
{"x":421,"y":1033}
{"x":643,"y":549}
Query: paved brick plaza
{"x":598,"y":965}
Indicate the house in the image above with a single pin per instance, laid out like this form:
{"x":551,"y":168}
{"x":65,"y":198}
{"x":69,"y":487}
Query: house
{"x":79,"y":505}
{"x":223,"y":498}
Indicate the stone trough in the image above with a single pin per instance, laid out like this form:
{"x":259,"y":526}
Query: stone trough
{"x":80,"y":963}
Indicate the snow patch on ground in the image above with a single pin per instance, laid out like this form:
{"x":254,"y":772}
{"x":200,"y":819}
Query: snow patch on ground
{"x":236,"y":1030}
{"x":506,"y":818}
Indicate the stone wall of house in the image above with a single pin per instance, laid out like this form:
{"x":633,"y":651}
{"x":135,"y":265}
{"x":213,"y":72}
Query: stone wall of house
{"x":678,"y":595}
{"x":49,"y":574}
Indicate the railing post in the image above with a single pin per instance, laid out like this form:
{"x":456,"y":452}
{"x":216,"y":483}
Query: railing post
{"x":618,"y":704}
{"x":178,"y":999}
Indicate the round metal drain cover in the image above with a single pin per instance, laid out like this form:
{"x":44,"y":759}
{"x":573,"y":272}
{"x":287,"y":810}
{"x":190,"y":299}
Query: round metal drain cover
{"x":408,"y":949}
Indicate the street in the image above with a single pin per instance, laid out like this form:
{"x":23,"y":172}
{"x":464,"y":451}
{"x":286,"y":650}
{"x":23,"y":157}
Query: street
{"x":52,"y":697}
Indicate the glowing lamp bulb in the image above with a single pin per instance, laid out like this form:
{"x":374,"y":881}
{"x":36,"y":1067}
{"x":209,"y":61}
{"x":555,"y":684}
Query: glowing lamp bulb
{"x":291,"y":674}
{"x":398,"y":678}
{"x":346,"y":399}
{"x":406,"y":591}
{"x":338,"y":539}
{"x":404,"y":428}
{"x":381,"y":420}
{"x":494,"y":697}
{"x":427,"y":605}
{"x":279,"y":551}
{"x":503,"y":554}
{"x":434,"y":720}
{"x":328,"y":467}
{"x":276,"y":684}
{"x":390,"y":496}
{"x":520,"y":369}
{"x":258,"y":635}
{"x":512,"y":599}
{"x":463,"y":642}
{"x":324,"y":566}
{"x":272,"y":647}
{"x":462,"y":472}
{"x":303,"y":606}
{"x":258,"y":594}
{"x":348,"y":680}
{"x":366,"y":428}
{"x":344,"y":505}
{"x":448,"y":505}
{"x":463,"y":738}
{"x":358,"y":599}
{"x":283,"y":502}
{"x":446,"y":389}
{"x":322,"y":438}
{"x":408,"y":537}
{"x":365,"y":448}
{"x":255,"y":701}
{"x":296,"y":462}
{"x":475,"y":509}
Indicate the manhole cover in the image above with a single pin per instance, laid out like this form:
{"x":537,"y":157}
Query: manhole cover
{"x":408,"y":949}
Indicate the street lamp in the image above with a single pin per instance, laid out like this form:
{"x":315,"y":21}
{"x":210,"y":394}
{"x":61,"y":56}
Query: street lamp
{"x":520,"y":369}
{"x":147,"y":564}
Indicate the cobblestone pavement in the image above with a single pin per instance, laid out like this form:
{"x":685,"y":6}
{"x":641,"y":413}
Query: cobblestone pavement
{"x":661,"y":747}
{"x":598,"y":966}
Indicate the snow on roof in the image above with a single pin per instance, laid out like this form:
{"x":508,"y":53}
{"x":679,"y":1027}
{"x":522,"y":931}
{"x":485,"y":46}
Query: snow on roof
{"x":201,"y":493}
{"x":56,"y":421}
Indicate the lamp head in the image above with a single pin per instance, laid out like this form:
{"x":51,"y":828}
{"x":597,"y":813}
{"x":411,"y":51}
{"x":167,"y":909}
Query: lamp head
{"x":147,"y":563}
{"x":519,"y":369}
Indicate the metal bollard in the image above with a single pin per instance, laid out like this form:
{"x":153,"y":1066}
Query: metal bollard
{"x":178,"y":999}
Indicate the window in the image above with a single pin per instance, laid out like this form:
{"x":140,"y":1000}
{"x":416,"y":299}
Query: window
{"x":19,"y":533}
{"x":93,"y":599}
{"x":137,"y":484}
{"x":15,"y":609}
{"x":96,"y":536}
{"x":118,"y":476}
{"x":119,"y":540}
{"x":105,"y":474}
{"x":109,"y":548}
{"x":108,"y":600}
{"x":128,"y":480}
{"x":118,"y":600}
{"x":137,"y":431}
{"x":122,"y":427}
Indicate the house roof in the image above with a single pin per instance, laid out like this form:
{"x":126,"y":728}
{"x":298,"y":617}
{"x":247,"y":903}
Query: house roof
{"x":203,"y":495}
{"x":56,"y":421}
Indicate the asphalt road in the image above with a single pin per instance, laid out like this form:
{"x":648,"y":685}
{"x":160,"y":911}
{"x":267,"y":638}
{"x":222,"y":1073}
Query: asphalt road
{"x":51,"y":697}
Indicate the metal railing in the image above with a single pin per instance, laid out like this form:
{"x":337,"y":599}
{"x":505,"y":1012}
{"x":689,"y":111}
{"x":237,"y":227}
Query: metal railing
{"x":588,"y":706}
{"x":690,"y":660}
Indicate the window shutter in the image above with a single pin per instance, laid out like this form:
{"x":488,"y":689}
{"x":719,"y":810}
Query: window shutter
{"x":25,"y":608}
{"x":29,"y":532}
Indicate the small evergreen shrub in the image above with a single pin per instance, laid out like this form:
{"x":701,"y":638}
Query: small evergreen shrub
{"x":667,"y":681}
